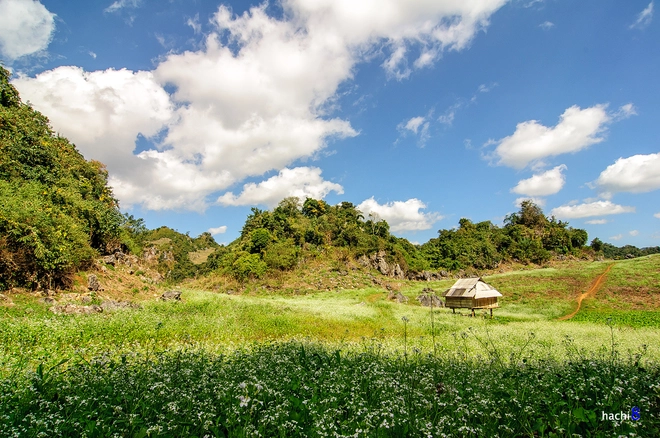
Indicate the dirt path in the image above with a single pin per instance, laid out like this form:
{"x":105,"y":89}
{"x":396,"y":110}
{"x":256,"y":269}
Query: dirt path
{"x":595,"y":286}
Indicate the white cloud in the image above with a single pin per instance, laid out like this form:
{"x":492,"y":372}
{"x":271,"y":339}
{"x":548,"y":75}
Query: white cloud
{"x":633,"y":233}
{"x":255,"y":98}
{"x":636,"y":174}
{"x":624,"y":112}
{"x":483,"y":88}
{"x":597,"y":221}
{"x":644,"y":18}
{"x":598,"y":208}
{"x":302,"y":182}
{"x":448,"y":117}
{"x":413,"y":124}
{"x":419,"y":126}
{"x":401,"y":215}
{"x":538,"y":201}
{"x":617,"y":237}
{"x":576,"y":130}
{"x":26,"y":27}
{"x":657,"y":215}
{"x":542,"y":184}
{"x":122,"y":4}
{"x":547,"y":25}
{"x":194,"y":24}
{"x":218,"y":230}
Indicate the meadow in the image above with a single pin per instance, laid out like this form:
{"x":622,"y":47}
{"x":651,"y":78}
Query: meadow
{"x":344,"y":362}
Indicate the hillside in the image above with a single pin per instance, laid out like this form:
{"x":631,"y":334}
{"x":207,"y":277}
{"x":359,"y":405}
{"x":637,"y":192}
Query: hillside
{"x":57,"y":212}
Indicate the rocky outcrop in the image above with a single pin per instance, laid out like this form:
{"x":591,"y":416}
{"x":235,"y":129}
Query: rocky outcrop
{"x":378,"y":262}
{"x":427,"y":275}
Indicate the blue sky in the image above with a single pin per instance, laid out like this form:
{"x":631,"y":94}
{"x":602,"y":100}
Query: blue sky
{"x":419,"y":112}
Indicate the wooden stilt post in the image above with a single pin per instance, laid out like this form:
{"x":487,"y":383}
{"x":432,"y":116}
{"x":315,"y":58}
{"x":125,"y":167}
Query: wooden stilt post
{"x":491,"y":313}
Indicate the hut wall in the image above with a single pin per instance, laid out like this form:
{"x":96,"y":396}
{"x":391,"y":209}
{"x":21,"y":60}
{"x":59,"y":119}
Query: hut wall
{"x":459,"y":302}
{"x":485,"y":303}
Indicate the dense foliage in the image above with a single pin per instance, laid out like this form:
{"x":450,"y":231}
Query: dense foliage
{"x":627,"y":251}
{"x":174,"y":250}
{"x":56,"y":209}
{"x":528,"y":236}
{"x":277,"y":240}
{"x":310,"y":390}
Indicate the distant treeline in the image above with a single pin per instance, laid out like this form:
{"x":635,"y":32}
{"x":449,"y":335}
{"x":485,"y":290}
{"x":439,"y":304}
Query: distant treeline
{"x":57,"y":213}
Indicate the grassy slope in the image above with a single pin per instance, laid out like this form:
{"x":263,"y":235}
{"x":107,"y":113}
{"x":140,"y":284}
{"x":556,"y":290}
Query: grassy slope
{"x":363,"y":317}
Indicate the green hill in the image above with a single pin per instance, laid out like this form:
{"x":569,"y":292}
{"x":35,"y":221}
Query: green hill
{"x":56,"y":210}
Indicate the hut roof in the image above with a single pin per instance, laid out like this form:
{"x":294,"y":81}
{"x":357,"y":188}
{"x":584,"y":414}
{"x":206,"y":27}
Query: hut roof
{"x":471,"y":288}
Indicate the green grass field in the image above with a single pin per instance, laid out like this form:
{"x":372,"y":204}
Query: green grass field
{"x":344,"y":363}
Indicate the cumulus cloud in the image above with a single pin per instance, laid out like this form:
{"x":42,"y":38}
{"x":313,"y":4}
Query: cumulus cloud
{"x":26,"y":27}
{"x":597,"y":208}
{"x":577,"y":129}
{"x":644,"y":18}
{"x":218,"y":230}
{"x":633,"y":233}
{"x":547,"y":25}
{"x":657,"y":215}
{"x":617,"y":237}
{"x":597,"y":221}
{"x":401,"y":215}
{"x":542,"y":184}
{"x":302,"y":182}
{"x":636,"y":174}
{"x":255,"y":98}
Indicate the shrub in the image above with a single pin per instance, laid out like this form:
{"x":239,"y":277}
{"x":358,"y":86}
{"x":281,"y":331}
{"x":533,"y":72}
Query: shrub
{"x":248,"y":266}
{"x":281,"y":255}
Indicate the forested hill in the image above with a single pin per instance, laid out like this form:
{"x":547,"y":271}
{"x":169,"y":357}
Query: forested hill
{"x":57,"y":214}
{"x":281,"y":238}
{"x":56,"y":209}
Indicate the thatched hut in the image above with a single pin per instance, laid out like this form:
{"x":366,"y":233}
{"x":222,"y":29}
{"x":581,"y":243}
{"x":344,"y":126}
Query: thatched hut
{"x":471,"y":293}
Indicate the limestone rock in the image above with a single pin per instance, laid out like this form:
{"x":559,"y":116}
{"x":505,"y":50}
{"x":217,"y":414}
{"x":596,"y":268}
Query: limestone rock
{"x":109,"y":260}
{"x":73,"y":309}
{"x":428,"y":299}
{"x":111,"y":305}
{"x":397,"y":296}
{"x":171,"y":295}
{"x":93,"y":283}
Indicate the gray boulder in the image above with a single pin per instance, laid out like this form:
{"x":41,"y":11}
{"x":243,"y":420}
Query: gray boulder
{"x":93,"y":283}
{"x":171,"y":295}
{"x":397,"y":296}
{"x":430,"y":299}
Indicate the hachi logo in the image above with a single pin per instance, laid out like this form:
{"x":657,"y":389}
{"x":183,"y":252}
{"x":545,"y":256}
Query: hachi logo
{"x":633,"y":415}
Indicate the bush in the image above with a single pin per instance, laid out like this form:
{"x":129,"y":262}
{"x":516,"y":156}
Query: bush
{"x":248,"y":266}
{"x":281,"y":255}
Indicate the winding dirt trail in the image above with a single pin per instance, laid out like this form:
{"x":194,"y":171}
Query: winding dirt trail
{"x":595,"y":286}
